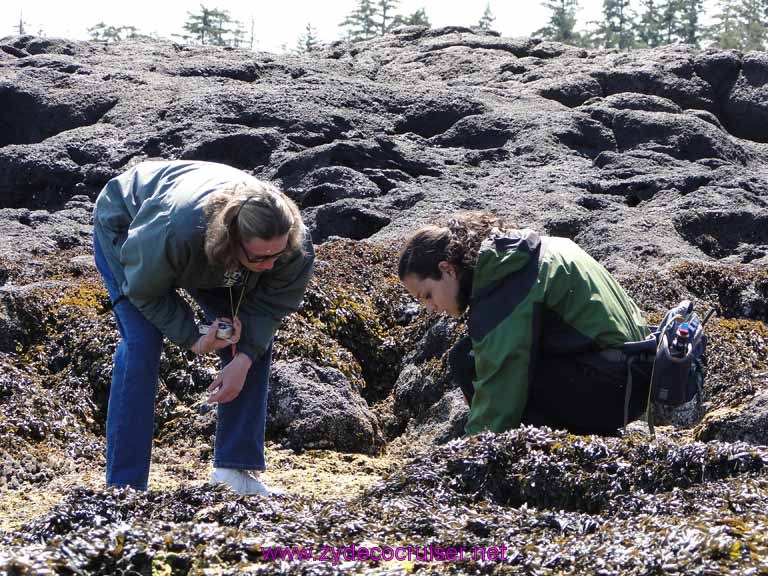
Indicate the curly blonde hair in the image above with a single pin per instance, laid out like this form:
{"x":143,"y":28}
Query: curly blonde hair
{"x":245,"y":211}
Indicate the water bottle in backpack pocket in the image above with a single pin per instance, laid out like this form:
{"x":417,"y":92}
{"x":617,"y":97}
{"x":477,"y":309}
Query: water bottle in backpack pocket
{"x":678,"y":373}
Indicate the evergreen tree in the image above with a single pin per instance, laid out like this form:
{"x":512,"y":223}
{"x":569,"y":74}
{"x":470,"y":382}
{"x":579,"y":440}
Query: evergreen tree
{"x":670,"y":21}
{"x":361,"y":23}
{"x":691,"y":30}
{"x":133,"y":33}
{"x":386,"y":8}
{"x":562,"y":21}
{"x":221,"y":20}
{"x":616,"y":29}
{"x":96,"y":31}
{"x":103,"y":33}
{"x":649,"y":27}
{"x":199,"y":26}
{"x":209,"y":26}
{"x":307,"y":41}
{"x":725,"y":31}
{"x":751,"y":25}
{"x":486,"y":21}
{"x":418,"y":18}
{"x":239,"y":34}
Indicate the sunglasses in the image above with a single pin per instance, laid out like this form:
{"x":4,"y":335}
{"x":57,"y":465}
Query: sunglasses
{"x":259,"y":259}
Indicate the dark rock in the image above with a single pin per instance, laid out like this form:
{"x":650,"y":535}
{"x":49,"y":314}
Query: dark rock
{"x":481,"y":132}
{"x":442,"y":120}
{"x":745,"y":110}
{"x":24,"y":312}
{"x":247,"y":150}
{"x":601,"y":108}
{"x":747,"y":423}
{"x":36,"y":178}
{"x":681,"y":136}
{"x":432,"y":117}
{"x":39,"y":232}
{"x":31,"y":110}
{"x":332,"y":183}
{"x":570,"y":91}
{"x":718,"y":67}
{"x":707,"y":117}
{"x":722,"y":233}
{"x":316,"y":407}
{"x":52,"y":46}
{"x":671,"y":74}
{"x":346,"y":219}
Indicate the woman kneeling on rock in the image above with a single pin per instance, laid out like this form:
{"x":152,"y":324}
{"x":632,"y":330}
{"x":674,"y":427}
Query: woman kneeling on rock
{"x":545,"y":320}
{"x":238,"y":246}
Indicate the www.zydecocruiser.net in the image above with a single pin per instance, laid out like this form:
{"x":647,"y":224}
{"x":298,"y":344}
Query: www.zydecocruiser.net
{"x":354,"y":553}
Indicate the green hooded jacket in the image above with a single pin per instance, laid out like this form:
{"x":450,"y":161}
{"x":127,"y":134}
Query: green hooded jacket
{"x":534,"y":297}
{"x":150,"y":224}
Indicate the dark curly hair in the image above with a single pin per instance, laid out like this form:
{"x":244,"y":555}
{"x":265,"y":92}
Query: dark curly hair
{"x":456,"y":241}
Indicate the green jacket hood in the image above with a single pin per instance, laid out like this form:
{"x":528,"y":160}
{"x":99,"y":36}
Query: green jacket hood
{"x":502,"y":255}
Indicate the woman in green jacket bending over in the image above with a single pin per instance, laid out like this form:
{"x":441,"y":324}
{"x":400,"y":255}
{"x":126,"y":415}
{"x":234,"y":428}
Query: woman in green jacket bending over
{"x":546,"y":323}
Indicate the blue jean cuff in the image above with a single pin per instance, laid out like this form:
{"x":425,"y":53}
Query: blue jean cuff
{"x":240,"y":466}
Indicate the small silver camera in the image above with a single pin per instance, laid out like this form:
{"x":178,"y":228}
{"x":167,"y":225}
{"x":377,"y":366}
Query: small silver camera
{"x":225,"y":330}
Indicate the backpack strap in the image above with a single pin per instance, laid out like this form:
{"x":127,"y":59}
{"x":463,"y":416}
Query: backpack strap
{"x":627,"y":392}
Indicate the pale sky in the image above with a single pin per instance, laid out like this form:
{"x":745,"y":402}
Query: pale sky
{"x":276,"y":22}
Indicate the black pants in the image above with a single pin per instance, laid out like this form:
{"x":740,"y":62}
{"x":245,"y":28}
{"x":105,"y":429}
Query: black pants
{"x":583,"y":394}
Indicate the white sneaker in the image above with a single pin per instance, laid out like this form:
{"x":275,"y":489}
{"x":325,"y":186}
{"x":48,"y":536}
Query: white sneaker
{"x":244,"y":482}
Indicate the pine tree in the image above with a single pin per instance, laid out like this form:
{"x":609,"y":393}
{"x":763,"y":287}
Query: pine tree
{"x":751,"y":25}
{"x":102,"y":33}
{"x":725,"y":31}
{"x":562,"y":21}
{"x":670,"y":21}
{"x":220,"y":29}
{"x":129,"y":32}
{"x":96,"y":31}
{"x":239,"y":34}
{"x":691,"y":30}
{"x":486,"y":21}
{"x":307,"y":41}
{"x":616,"y":29}
{"x":361,"y":23}
{"x":200,"y":26}
{"x":587,"y":38}
{"x":386,"y":8}
{"x":649,"y":27}
{"x":418,"y":18}
{"x":209,"y":26}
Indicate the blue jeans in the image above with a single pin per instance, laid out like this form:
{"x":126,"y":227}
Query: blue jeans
{"x":130,"y":414}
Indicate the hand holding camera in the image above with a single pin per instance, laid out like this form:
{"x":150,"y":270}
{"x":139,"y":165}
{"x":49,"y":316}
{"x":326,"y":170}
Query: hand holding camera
{"x":220,"y":334}
{"x":224,"y":331}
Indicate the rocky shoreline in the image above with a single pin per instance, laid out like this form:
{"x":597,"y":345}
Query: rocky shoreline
{"x":653,"y":160}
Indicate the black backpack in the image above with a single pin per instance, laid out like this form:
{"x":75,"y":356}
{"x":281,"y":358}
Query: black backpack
{"x":678,"y":343}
